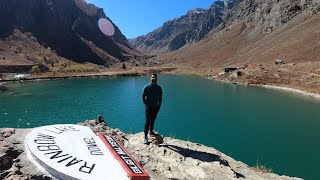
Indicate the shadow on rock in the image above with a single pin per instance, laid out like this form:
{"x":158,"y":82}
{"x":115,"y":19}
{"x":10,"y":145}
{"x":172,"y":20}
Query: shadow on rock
{"x":202,"y":156}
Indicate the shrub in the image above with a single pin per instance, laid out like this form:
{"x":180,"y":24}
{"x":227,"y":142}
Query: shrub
{"x":62,"y":65}
{"x":44,"y":59}
{"x":40,"y":59}
{"x":53,"y":71}
{"x":36,"y":69}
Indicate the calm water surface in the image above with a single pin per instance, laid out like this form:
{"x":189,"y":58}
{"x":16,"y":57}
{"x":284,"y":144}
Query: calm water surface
{"x":276,"y":129}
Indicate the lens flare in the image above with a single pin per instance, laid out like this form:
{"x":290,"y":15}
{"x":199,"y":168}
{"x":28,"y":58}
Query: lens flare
{"x":106,"y":27}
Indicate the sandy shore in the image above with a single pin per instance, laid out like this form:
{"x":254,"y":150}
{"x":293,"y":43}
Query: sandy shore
{"x":305,"y":93}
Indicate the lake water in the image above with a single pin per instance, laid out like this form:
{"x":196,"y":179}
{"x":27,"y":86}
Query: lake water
{"x":277,"y":129}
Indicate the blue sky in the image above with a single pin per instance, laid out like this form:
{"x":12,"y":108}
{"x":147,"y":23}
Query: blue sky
{"x":138,"y":17}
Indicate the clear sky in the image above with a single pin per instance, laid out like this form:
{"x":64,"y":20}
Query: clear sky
{"x":139,"y":17}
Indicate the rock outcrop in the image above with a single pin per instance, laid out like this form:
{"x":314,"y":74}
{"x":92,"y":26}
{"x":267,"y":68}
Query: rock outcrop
{"x":69,"y":27}
{"x":14,"y":163}
{"x":170,"y":159}
{"x":266,"y":15}
{"x":185,"y":30}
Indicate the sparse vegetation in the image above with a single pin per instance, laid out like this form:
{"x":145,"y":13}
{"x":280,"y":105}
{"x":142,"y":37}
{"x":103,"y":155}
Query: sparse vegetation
{"x":44,"y":59}
{"x":53,"y":71}
{"x":261,"y":168}
{"x":40,"y":59}
{"x":62,"y":65}
{"x":80,"y":69}
{"x":65,"y":68}
{"x":35,"y":69}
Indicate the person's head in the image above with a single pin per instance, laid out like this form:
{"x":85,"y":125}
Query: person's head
{"x":154,"y":78}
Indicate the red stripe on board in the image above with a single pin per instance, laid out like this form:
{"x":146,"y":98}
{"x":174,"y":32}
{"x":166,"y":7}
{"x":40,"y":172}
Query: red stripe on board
{"x":129,"y":164}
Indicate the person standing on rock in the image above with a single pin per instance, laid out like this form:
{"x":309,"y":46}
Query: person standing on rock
{"x":152,"y":99}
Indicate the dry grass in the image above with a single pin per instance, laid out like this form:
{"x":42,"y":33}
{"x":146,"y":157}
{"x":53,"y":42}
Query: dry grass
{"x":262,"y":169}
{"x":64,"y":68}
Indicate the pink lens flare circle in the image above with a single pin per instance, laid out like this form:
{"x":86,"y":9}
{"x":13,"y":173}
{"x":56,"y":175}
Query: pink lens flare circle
{"x":106,"y":27}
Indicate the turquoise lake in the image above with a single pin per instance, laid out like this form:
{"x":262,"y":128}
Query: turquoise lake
{"x":277,"y":129}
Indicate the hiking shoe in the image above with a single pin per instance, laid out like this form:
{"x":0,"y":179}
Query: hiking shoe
{"x":152,"y":133}
{"x":145,"y":140}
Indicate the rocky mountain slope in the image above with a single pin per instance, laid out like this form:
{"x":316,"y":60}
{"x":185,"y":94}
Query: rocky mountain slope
{"x":68,"y":27}
{"x":187,"y":29}
{"x":259,"y":31}
{"x":166,"y":158}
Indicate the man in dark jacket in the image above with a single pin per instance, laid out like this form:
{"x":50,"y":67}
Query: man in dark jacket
{"x":152,"y":99}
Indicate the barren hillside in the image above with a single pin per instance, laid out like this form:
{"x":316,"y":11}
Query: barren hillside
{"x":70,"y":28}
{"x":259,"y":32}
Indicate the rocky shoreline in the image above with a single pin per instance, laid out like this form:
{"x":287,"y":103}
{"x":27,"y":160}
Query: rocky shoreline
{"x":163,"y":158}
{"x":104,"y":73}
{"x":44,"y":77}
{"x":245,"y":78}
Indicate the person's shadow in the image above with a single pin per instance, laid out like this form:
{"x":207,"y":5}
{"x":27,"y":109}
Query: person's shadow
{"x":202,"y":156}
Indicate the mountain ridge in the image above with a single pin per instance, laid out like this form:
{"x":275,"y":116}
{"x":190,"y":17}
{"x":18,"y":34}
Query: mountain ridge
{"x":70,"y":27}
{"x":183,"y":30}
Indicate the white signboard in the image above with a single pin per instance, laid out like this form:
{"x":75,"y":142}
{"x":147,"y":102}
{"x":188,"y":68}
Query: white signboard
{"x":73,"y":152}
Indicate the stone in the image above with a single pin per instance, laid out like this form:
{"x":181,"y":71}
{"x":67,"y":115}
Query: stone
{"x":277,"y":75}
{"x":100,"y":119}
{"x":279,"y":61}
{"x":7,"y":132}
{"x":156,"y":139}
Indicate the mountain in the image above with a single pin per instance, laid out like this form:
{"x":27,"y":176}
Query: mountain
{"x":185,"y":30}
{"x":259,"y":31}
{"x":68,"y":27}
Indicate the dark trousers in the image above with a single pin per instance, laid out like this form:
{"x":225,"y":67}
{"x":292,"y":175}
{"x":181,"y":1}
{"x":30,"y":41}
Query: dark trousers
{"x":151,"y":115}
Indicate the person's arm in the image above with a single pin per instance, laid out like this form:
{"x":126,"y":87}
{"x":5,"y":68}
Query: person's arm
{"x":144,"y":95}
{"x":160,"y":98}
